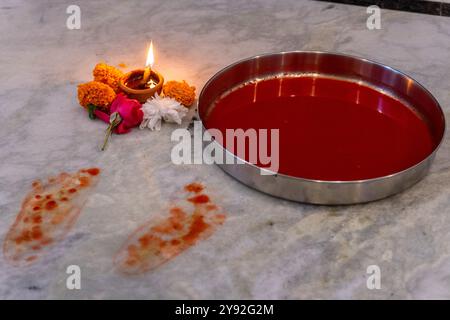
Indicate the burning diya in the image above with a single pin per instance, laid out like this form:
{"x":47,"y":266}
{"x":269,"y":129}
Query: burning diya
{"x":144,"y":83}
{"x":349,"y":130}
{"x":136,"y":99}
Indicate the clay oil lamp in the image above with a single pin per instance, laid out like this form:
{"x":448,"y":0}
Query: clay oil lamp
{"x":142,"y":84}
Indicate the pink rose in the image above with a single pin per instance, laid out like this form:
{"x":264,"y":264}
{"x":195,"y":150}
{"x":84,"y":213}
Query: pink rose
{"x":128,"y":109}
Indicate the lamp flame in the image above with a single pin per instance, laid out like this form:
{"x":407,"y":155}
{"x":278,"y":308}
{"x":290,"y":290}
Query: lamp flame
{"x":150,"y":56}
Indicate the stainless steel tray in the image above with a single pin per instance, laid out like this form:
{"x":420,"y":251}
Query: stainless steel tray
{"x":319,"y":191}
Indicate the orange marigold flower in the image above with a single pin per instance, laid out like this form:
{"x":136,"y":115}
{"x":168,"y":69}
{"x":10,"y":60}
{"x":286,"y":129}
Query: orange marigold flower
{"x":108,"y":75}
{"x":96,"y":93}
{"x":180,"y":91}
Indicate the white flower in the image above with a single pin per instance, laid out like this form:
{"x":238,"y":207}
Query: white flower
{"x":158,"y":108}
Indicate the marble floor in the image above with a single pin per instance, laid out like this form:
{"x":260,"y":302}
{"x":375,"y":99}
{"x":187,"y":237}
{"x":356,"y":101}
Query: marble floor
{"x":267,"y":248}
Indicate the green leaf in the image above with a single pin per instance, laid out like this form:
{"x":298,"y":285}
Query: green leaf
{"x":91,"y":109}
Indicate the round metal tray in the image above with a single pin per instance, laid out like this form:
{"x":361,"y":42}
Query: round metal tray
{"x":384,"y":78}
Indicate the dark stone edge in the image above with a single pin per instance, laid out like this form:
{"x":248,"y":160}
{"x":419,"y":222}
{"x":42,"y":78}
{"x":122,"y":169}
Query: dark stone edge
{"x":417,"y":6}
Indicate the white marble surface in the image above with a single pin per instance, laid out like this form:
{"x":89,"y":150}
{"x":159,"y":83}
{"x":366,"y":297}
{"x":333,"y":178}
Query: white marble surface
{"x":268,"y":248}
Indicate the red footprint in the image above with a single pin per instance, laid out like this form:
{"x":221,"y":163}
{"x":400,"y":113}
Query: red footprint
{"x":48,"y":212}
{"x":154,"y":243}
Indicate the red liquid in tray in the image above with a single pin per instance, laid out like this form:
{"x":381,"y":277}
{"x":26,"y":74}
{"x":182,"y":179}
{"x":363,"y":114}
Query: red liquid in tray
{"x":330,"y":129}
